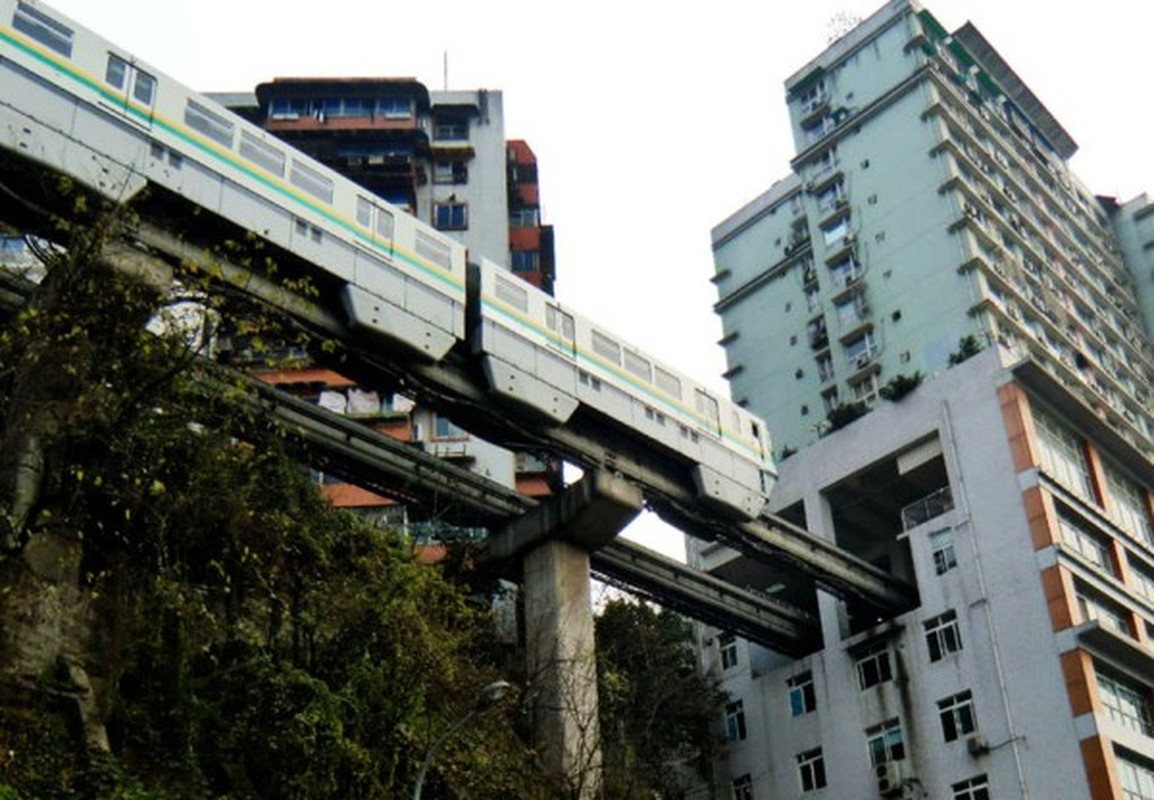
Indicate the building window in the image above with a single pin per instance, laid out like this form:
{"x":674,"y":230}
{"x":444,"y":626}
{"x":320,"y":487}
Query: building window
{"x":885,"y":743}
{"x":443,"y":428}
{"x":873,"y":665}
{"x":802,"y":698}
{"x":451,"y":130}
{"x":525,"y":217}
{"x":942,"y":551}
{"x":1091,"y":545}
{"x":1062,"y":455}
{"x":811,"y":770}
{"x":1129,"y":508}
{"x":1143,"y":579}
{"x":860,"y":351}
{"x":524,"y":260}
{"x":727,"y":647}
{"x":943,"y":637}
{"x":735,"y":721}
{"x":1126,"y":702}
{"x":829,"y":197}
{"x":818,"y":335}
{"x":451,"y":216}
{"x":824,"y":367}
{"x":825,"y":162}
{"x":450,"y":172}
{"x":743,"y":788}
{"x":830,"y":400}
{"x":973,"y":789}
{"x":835,"y":234}
{"x":1137,"y":777}
{"x":957,"y":715}
{"x":1093,"y":606}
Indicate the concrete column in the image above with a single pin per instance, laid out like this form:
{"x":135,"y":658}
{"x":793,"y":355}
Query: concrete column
{"x":562,"y":665}
{"x":554,"y":542}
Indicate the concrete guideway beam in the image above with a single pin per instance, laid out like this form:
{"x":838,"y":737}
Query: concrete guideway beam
{"x":451,"y":387}
{"x":588,"y":514}
{"x":698,"y":595}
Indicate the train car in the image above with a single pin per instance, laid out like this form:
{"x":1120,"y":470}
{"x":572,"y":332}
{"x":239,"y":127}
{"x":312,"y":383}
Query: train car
{"x":85,"y":107}
{"x":545,"y":358}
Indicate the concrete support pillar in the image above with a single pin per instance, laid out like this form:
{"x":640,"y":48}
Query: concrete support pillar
{"x":562,"y":665}
{"x":554,"y":542}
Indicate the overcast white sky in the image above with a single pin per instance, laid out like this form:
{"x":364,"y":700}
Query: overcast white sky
{"x":652,"y":122}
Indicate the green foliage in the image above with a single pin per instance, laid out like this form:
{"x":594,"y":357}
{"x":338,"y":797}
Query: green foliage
{"x":657,"y":708}
{"x":899,"y":386}
{"x":968,"y":346}
{"x":244,"y":639}
{"x":845,"y":414}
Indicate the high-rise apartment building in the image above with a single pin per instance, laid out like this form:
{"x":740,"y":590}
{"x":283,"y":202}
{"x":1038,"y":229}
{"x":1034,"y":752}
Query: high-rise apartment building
{"x":931,"y":231}
{"x":929,"y":201}
{"x":443,"y":157}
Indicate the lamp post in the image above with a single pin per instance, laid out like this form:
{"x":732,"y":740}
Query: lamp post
{"x":488,"y":697}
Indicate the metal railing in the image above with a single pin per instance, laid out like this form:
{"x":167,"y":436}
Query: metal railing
{"x":932,"y":505}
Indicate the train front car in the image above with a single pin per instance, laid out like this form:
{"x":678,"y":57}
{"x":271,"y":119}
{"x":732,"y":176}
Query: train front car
{"x":541,"y":356}
{"x":89,"y":110}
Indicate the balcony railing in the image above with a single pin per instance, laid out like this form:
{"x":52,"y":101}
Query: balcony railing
{"x":928,"y":507}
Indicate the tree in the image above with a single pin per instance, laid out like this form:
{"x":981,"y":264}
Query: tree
{"x":658,"y":710}
{"x":181,"y":613}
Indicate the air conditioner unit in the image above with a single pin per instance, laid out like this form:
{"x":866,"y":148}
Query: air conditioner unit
{"x":863,"y":361}
{"x":977,"y":746}
{"x":892,"y":777}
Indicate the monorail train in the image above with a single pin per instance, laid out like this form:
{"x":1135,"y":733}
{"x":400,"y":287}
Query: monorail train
{"x":86,"y":108}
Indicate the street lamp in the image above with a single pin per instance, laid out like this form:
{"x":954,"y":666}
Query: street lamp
{"x":488,"y":697}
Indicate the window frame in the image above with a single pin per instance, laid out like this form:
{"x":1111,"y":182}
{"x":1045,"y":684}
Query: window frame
{"x":450,"y":215}
{"x":958,"y":716}
{"x":873,"y":664}
{"x":802,"y":694}
{"x":811,"y":769}
{"x":735,"y":730}
{"x":943,"y":636}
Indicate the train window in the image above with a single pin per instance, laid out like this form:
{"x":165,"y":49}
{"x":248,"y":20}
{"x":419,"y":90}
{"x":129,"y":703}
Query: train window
{"x":211,"y":124}
{"x":668,"y":383}
{"x":116,"y":73}
{"x":262,"y":154}
{"x":144,"y":88}
{"x":435,"y":250}
{"x":385,"y":227}
{"x":305,"y":177}
{"x":638,"y":366}
{"x":512,"y":294}
{"x":41,"y":27}
{"x":364,"y":212}
{"x":606,"y":347}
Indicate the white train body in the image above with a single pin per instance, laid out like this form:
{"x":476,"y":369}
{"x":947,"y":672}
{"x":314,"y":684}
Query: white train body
{"x":87,"y":109}
{"x":545,"y":357}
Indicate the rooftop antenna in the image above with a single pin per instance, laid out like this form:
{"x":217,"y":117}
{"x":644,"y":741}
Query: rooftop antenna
{"x":840,"y":24}
{"x":445,"y":70}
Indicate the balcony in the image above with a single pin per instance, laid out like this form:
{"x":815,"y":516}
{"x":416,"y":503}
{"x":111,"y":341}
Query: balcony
{"x":928,"y":507}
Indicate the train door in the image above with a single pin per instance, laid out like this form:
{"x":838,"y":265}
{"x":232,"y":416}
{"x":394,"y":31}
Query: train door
{"x":384,"y":231}
{"x":378,"y":221}
{"x":708,"y":412}
{"x":564,"y":332}
{"x":135,"y":89}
